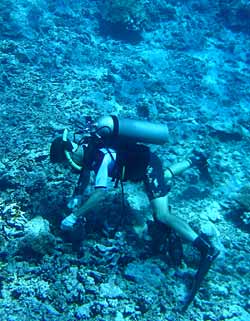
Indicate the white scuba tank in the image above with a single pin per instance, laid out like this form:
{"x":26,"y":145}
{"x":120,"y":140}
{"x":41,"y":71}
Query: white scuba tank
{"x":135,"y":130}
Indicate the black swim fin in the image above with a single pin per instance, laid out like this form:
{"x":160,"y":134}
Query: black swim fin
{"x":204,"y":266}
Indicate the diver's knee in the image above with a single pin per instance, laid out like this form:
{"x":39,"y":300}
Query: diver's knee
{"x":161,"y":208}
{"x":160,"y":203}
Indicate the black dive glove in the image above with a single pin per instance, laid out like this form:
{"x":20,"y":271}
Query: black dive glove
{"x":199,"y":160}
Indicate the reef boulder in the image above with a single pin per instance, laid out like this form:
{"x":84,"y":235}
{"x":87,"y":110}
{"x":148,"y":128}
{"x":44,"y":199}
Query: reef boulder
{"x":37,"y":236}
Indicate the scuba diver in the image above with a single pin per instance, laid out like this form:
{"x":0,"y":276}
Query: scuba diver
{"x":114,"y":148}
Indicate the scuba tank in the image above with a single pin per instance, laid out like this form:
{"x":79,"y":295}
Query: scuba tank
{"x":131,"y":130}
{"x":109,"y":128}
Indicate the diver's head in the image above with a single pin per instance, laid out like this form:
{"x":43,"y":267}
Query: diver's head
{"x":62,"y":149}
{"x":57,"y":150}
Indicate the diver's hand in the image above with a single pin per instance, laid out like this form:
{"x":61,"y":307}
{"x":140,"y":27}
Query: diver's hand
{"x":199,"y":160}
{"x":74,"y":202}
{"x":68,"y":223}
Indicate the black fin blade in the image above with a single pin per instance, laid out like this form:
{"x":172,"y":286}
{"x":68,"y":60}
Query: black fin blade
{"x":203,"y":269}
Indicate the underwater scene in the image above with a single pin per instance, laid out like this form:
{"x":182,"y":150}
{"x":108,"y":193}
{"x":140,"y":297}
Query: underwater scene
{"x":124,"y":160}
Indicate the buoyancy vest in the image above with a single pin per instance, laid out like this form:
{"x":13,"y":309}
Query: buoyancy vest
{"x":131,"y":158}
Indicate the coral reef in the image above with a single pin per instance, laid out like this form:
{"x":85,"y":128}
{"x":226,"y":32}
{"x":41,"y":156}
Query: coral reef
{"x":37,"y":237}
{"x":242,"y":197}
{"x":184,"y":63}
{"x":129,"y":13}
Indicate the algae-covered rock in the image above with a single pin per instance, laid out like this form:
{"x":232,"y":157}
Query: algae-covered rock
{"x":130,"y":13}
{"x":243,"y":197}
{"x":37,"y":236}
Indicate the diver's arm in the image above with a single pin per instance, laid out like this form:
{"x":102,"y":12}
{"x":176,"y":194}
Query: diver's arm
{"x":93,"y":202}
{"x":96,"y":199}
{"x":82,"y":183}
